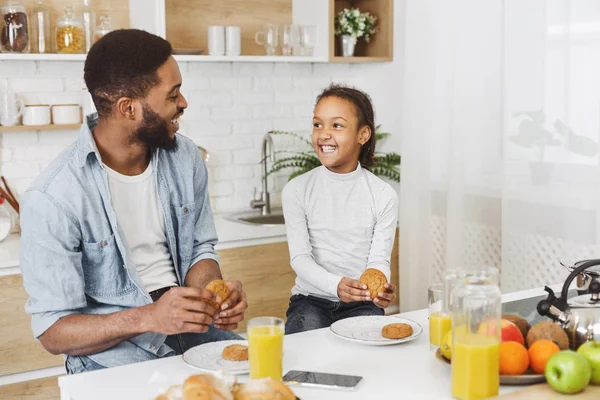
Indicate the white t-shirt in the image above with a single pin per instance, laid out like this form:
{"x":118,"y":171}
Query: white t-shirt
{"x":141,"y":219}
{"x":338,"y":225}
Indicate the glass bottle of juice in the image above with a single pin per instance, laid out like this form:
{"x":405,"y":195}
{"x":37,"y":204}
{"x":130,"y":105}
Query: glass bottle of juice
{"x":476,"y":314}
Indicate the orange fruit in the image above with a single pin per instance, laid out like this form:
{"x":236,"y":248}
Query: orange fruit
{"x":540,"y":352}
{"x":514,"y":359}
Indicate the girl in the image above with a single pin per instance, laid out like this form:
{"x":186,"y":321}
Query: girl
{"x":340,"y":218}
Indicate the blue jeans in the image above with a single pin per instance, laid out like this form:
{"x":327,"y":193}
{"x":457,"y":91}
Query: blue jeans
{"x":309,"y":312}
{"x":180,"y":343}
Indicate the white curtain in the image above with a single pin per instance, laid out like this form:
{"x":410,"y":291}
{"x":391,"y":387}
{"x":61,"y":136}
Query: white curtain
{"x":500,"y":140}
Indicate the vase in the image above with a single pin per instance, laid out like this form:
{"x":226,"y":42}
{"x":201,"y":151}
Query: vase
{"x":348,"y":44}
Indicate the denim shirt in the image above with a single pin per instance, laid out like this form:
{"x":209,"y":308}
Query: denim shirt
{"x":74,"y":258}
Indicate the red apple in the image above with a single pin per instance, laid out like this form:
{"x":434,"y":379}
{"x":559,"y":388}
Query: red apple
{"x":509,"y":331}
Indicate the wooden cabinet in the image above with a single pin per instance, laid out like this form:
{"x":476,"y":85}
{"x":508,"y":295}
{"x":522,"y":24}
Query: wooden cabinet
{"x":380,"y":47}
{"x":19,"y":351}
{"x":36,"y":389}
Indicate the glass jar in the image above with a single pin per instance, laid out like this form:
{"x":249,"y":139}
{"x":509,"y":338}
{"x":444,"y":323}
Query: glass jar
{"x":88,"y":18}
{"x":40,"y":28}
{"x":70,"y":35}
{"x":104,"y":27}
{"x":476,"y":314}
{"x":14,"y":26}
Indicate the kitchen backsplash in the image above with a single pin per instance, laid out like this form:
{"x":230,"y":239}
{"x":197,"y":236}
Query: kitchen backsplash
{"x":231,"y":107}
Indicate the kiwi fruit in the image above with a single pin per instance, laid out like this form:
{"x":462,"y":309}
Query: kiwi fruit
{"x":520,"y":322}
{"x":548,"y":330}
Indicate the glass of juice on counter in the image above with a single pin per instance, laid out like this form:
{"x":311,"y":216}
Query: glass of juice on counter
{"x":440,"y":321}
{"x":265,"y":347}
{"x":476,"y":313}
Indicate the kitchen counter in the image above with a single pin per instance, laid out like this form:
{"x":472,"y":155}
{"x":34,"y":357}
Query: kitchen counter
{"x":231,"y":234}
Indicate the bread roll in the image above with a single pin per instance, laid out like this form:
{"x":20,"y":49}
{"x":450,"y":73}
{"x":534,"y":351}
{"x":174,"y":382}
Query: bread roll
{"x":206,"y":387}
{"x":264,"y":389}
{"x":173,"y":393}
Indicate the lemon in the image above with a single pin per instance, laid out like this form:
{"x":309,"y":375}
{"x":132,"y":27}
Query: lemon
{"x":446,"y":345}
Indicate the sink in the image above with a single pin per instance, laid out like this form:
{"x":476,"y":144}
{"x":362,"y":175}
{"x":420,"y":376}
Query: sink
{"x":253,"y":218}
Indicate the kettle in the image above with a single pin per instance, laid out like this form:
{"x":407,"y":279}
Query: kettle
{"x":580,"y":315}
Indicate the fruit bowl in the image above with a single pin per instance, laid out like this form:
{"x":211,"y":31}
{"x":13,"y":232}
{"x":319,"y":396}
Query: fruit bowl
{"x":528,"y":378}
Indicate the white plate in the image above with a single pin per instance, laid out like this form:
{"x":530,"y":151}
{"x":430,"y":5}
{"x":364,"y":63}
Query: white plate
{"x":367,"y":329}
{"x":208,"y":357}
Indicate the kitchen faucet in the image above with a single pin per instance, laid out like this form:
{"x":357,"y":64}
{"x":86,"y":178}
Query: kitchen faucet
{"x":264,"y":202}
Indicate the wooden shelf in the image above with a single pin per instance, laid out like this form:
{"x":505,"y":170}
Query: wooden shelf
{"x":23,"y":128}
{"x":339,"y":59}
{"x":41,"y":57}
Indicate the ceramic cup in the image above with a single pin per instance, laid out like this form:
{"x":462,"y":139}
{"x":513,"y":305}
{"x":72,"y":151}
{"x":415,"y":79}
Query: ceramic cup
{"x":216,"y":40}
{"x":36,"y":114}
{"x":65,"y":114}
{"x":233,"y":42}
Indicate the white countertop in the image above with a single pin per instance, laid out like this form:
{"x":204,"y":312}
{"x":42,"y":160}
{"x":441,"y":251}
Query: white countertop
{"x":231,"y":234}
{"x":408,"y":368}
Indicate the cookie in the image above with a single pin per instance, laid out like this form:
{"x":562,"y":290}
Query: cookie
{"x":235,"y":352}
{"x":375,"y":281}
{"x":219,"y":288}
{"x":397,"y":331}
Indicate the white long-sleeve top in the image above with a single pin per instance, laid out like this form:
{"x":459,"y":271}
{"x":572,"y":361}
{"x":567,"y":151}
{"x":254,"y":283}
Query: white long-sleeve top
{"x":338,"y":225}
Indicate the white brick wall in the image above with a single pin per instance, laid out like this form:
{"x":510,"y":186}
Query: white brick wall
{"x":231,"y":107}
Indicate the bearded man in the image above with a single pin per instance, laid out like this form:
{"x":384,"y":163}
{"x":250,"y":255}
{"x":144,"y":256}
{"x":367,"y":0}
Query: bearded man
{"x":118,"y":237}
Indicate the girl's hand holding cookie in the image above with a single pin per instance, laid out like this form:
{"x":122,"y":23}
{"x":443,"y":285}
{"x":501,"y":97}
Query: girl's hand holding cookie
{"x":385,"y":298}
{"x":350,"y":290}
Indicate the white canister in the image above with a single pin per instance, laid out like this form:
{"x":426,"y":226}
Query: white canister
{"x":36,"y":114}
{"x":216,"y":40}
{"x":233,"y":41}
{"x":66,"y":114}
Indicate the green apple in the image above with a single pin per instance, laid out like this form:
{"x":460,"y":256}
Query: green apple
{"x":591,"y":351}
{"x":568,"y":372}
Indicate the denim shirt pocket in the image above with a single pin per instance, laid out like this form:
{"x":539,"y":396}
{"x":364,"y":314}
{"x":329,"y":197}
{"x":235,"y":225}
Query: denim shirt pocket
{"x":185,"y":231}
{"x":104,"y":270}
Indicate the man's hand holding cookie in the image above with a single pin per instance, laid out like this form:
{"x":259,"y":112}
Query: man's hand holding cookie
{"x":232,"y":303}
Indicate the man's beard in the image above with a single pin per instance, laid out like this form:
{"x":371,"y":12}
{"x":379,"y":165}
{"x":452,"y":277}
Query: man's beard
{"x":154,"y":131}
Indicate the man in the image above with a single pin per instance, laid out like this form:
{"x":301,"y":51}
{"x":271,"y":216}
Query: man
{"x":117,"y":234}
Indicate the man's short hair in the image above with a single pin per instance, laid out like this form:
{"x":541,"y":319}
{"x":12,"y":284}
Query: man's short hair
{"x":123,"y":63}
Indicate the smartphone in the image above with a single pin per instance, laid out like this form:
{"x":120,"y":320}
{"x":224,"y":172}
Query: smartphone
{"x":322,"y":380}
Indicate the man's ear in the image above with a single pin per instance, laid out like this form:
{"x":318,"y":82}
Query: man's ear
{"x":126,"y":107}
{"x":364,"y":134}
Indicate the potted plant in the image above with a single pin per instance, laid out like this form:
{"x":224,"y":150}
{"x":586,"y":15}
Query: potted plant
{"x":350,"y":25}
{"x":386,"y":164}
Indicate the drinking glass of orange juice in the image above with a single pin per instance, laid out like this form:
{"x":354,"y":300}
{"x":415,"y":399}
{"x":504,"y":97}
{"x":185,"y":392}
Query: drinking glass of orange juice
{"x":440,"y":321}
{"x":265,"y":347}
